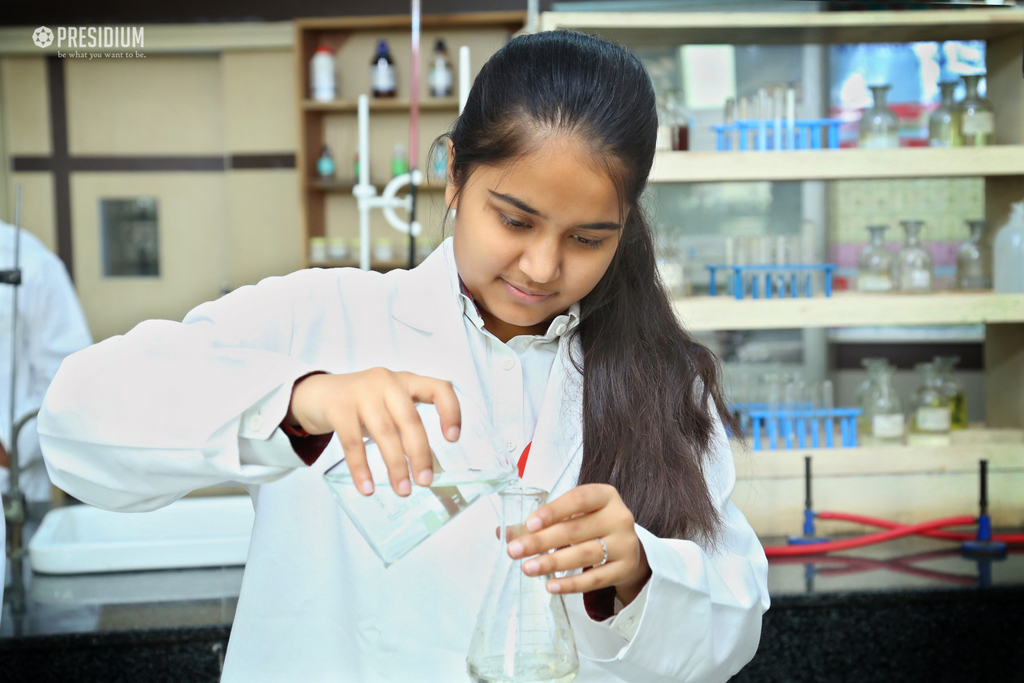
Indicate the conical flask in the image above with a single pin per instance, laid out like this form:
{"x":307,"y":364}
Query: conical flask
{"x":522,"y":633}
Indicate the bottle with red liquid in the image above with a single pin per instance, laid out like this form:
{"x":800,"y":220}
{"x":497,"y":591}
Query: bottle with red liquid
{"x":677,"y":120}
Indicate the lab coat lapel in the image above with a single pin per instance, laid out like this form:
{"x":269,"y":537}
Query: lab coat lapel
{"x":434,"y":342}
{"x":558,"y":437}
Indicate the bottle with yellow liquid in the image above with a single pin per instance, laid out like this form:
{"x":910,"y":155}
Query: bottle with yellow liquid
{"x":953,"y":389}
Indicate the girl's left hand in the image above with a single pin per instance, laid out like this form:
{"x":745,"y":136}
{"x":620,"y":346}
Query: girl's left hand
{"x":571,"y":525}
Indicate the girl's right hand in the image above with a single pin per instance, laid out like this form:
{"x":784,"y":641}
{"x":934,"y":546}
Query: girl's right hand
{"x":381,"y":404}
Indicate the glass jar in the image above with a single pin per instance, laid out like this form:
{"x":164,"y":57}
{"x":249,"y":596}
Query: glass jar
{"x":883,"y":410}
{"x":874,"y":265}
{"x":913,"y":265}
{"x":930,"y":406}
{"x":977,"y":118}
{"x":879,"y":125}
{"x":943,"y":125}
{"x":953,"y":389}
{"x":974,"y":260}
{"x":872,"y":366}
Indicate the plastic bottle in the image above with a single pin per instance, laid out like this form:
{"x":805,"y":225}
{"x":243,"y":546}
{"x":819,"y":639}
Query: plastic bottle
{"x":321,"y":75}
{"x":382,"y":71}
{"x":399,"y":164}
{"x":1009,"y":253}
{"x":440,"y":71}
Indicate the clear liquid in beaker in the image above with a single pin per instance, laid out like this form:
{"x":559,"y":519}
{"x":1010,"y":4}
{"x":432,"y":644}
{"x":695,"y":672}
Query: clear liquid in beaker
{"x":394,"y":525}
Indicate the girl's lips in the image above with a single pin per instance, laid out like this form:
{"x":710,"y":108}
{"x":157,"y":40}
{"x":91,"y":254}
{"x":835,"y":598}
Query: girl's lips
{"x":523,"y":296}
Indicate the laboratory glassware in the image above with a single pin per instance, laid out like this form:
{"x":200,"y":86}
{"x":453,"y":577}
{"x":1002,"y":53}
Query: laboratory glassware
{"x":440,"y":71}
{"x":321,"y":75}
{"x":874,"y":265}
{"x":974,"y":260}
{"x":382,"y":72}
{"x":399,"y":164}
{"x":975,"y":114}
{"x":325,"y":164}
{"x":944,"y":124}
{"x":944,"y":366}
{"x":522,"y":632}
{"x":930,"y":405}
{"x":317,"y":249}
{"x":868,"y":385}
{"x":678,"y":119}
{"x":879,"y":125}
{"x":883,"y":410}
{"x":913,"y":265}
{"x":1008,"y":267}
{"x":465,"y":471}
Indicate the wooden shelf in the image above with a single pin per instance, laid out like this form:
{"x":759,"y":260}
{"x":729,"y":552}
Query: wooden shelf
{"x":380,"y":105}
{"x":1002,"y":447}
{"x":786,"y":28}
{"x":838,"y":164}
{"x":849,"y":309}
{"x":343,"y":185}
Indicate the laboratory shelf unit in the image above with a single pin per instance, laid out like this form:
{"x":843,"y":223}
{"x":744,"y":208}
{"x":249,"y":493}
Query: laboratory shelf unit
{"x":910,"y":482}
{"x":327,"y":205}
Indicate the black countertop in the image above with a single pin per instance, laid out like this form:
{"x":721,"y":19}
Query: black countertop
{"x":866,"y":612}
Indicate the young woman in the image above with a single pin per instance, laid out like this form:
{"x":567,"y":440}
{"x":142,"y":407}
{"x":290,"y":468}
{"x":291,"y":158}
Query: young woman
{"x":544,"y":307}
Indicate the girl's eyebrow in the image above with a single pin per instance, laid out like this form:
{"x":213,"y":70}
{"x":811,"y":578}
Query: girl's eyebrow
{"x":523,"y":206}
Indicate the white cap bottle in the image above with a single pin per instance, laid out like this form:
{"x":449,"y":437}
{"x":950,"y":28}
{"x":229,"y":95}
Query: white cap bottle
{"x":321,"y":75}
{"x":1008,"y":252}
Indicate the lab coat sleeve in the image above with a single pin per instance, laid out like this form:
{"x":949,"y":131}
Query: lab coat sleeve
{"x":137,"y":421}
{"x":701,"y":619}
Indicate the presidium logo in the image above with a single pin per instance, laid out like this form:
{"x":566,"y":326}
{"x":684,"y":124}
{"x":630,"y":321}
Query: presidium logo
{"x":102,"y":37}
{"x":42,"y":37}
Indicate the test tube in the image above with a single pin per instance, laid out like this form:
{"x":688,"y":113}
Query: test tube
{"x":743,"y":114}
{"x":729,"y":119}
{"x":777,"y":95}
{"x":763,"y":113}
{"x":791,"y":117}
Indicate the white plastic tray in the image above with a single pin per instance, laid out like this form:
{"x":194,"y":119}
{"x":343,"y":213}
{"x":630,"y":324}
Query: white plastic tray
{"x":192,"y":532}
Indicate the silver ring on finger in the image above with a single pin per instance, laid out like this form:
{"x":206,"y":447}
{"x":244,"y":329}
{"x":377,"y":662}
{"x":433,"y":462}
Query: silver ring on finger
{"x":604,"y":549}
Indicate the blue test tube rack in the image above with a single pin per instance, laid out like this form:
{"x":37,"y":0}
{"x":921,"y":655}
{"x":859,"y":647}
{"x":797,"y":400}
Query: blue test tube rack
{"x":775,"y":281}
{"x":762,"y":135}
{"x":788,"y":429}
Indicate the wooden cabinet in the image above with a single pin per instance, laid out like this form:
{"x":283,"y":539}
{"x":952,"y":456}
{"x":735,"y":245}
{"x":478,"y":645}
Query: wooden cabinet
{"x":328,"y":207}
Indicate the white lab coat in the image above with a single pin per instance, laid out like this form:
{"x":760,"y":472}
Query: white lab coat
{"x":51,"y":325}
{"x":137,"y":421}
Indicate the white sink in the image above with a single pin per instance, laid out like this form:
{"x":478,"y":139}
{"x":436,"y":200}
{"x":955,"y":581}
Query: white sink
{"x":192,"y":532}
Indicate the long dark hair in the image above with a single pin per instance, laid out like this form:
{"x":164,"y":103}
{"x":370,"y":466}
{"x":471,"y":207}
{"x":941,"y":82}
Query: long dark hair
{"x":650,"y":391}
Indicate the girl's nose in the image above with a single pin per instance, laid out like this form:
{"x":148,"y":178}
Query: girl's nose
{"x":541,"y":261}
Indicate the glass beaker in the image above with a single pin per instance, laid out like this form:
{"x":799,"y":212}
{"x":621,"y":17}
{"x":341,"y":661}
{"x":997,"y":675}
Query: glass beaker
{"x":944,"y":124}
{"x":931,"y":407}
{"x":879,"y":125}
{"x":874,"y":265}
{"x":974,"y":260}
{"x":913,"y":267}
{"x":522,"y":632}
{"x":472,"y":468}
{"x":977,"y":118}
{"x":944,"y":366}
{"x":883,"y":409}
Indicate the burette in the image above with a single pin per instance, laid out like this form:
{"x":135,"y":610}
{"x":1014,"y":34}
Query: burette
{"x":388,"y":201}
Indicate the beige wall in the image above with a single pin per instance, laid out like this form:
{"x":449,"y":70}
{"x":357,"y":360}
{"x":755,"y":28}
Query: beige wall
{"x":217,"y":229}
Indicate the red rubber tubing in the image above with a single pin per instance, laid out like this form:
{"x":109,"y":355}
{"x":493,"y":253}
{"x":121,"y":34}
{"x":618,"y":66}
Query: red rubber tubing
{"x":867,"y":539}
{"x":944,"y":535}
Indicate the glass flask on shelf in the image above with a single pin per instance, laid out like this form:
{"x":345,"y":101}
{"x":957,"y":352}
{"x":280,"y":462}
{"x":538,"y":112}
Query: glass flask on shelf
{"x":382,"y":72}
{"x":975,"y":115}
{"x":930,"y":406}
{"x":883,"y":410}
{"x":974,"y":260}
{"x":913,"y":265}
{"x":440,"y":78}
{"x":871,"y":366}
{"x":522,"y":632}
{"x":874,"y":265}
{"x":944,"y":366}
{"x":879,"y":125}
{"x":943,"y":124}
